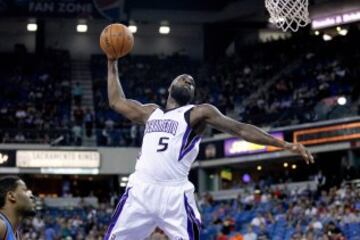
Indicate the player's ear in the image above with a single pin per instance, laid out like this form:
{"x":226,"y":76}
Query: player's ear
{"x":11,"y":196}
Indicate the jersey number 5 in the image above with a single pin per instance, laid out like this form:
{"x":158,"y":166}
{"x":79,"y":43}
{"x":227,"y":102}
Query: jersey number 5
{"x":163,"y":144}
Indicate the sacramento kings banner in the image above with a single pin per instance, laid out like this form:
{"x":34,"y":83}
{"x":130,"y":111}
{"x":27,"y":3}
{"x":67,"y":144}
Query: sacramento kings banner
{"x":110,"y":9}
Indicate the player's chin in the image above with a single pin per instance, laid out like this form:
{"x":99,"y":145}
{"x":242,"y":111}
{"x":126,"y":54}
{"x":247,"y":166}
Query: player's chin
{"x":29,"y":212}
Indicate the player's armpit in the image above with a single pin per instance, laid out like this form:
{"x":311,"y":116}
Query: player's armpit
{"x":134,"y":110}
{"x":213,"y":117}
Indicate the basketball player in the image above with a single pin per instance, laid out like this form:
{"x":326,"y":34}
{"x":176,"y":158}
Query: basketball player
{"x":16,"y":203}
{"x":158,"y":192}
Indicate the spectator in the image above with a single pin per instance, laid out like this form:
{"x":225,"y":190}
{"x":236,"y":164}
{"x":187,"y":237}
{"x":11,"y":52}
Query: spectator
{"x":78,"y":114}
{"x":77,"y":132}
{"x":320,"y":180}
{"x":250,"y":235}
{"x":50,"y":233}
{"x":258,"y":220}
{"x":77,"y":93}
{"x":89,"y":122}
{"x":38,"y":223}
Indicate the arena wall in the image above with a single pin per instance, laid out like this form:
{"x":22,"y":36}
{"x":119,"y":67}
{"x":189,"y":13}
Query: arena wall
{"x":184,"y":38}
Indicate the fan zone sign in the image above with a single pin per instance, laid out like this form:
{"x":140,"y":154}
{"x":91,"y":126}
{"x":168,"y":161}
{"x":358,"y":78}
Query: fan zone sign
{"x":110,"y":9}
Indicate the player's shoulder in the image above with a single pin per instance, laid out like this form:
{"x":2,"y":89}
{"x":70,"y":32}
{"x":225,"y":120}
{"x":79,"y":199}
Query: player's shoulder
{"x":203,"y":111}
{"x":152,"y":106}
{"x":204,"y":108}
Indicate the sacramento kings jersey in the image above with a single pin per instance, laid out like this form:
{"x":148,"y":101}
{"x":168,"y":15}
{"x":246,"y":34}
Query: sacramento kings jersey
{"x":169,"y":145}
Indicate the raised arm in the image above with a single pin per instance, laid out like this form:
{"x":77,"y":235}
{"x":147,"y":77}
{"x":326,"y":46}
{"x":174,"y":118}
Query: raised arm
{"x":131,"y":109}
{"x":213,"y":117}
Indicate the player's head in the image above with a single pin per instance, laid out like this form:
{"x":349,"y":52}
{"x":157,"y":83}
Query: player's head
{"x":182,"y":89}
{"x":14,"y":194}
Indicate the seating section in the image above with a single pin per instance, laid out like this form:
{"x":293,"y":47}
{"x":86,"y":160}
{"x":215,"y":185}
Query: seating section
{"x":277,"y":214}
{"x":281,"y":214}
{"x":35,"y":96}
{"x":306,"y":93}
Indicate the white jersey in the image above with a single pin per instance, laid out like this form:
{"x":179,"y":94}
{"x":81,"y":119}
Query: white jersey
{"x":169,"y":145}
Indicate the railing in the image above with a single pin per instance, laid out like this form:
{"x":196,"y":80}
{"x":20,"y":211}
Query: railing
{"x":69,"y":137}
{"x":53,"y":136}
{"x":70,"y":202}
{"x":234,"y":193}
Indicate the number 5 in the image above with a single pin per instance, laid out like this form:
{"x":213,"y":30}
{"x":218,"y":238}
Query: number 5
{"x":164,"y":145}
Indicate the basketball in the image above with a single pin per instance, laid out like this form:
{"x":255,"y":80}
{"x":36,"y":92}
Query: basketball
{"x":116,"y":40}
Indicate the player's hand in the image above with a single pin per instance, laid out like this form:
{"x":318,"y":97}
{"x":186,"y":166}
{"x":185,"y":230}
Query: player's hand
{"x":111,"y":58}
{"x":299,"y":149}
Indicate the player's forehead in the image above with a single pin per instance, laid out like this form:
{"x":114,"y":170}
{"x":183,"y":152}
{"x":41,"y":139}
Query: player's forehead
{"x":184,"y":77}
{"x":21,"y":184}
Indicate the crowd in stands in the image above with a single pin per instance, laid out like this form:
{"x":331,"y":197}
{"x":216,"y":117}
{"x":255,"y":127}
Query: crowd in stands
{"x":35,"y":96}
{"x":273,"y":213}
{"x":309,"y":92}
{"x":263,"y":213}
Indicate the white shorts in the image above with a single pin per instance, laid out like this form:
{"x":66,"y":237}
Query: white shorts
{"x":147,"y":204}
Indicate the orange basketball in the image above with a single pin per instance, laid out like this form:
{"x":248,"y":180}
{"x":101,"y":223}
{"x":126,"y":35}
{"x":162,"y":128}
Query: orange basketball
{"x":116,"y":40}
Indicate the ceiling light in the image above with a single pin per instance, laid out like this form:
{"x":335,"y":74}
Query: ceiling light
{"x":81,"y":28}
{"x":327,"y":37}
{"x":133,"y":28}
{"x":341,"y":101}
{"x":32,"y":27}
{"x":164,"y":29}
{"x":343,"y":32}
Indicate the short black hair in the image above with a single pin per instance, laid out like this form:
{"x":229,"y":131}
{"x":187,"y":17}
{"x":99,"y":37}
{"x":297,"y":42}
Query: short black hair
{"x":7,"y":184}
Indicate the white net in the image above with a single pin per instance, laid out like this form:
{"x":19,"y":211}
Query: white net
{"x":288,"y":14}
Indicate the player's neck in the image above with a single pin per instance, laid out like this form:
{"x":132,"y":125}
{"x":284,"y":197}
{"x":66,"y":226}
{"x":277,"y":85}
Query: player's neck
{"x":12,"y":217}
{"x":171,"y":103}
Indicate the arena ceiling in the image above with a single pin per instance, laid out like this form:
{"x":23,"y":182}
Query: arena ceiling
{"x":196,"y":5}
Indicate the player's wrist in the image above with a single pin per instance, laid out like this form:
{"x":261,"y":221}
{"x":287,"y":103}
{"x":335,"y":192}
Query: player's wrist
{"x":112,"y":60}
{"x":287,"y":145}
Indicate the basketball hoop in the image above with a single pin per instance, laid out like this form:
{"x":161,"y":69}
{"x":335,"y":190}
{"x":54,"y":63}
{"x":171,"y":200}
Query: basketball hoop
{"x":288,"y":14}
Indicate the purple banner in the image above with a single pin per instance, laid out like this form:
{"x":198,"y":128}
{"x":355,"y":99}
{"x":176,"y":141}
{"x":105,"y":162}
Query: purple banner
{"x":336,"y":19}
{"x":236,"y":146}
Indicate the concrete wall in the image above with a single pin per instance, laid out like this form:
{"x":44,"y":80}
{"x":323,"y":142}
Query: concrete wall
{"x":13,"y":31}
{"x":118,"y":160}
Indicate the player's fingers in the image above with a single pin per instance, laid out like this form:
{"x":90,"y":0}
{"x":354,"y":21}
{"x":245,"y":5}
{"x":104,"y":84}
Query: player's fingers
{"x":311,"y":157}
{"x":306,"y":157}
{"x":305,"y":154}
{"x":300,"y":149}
